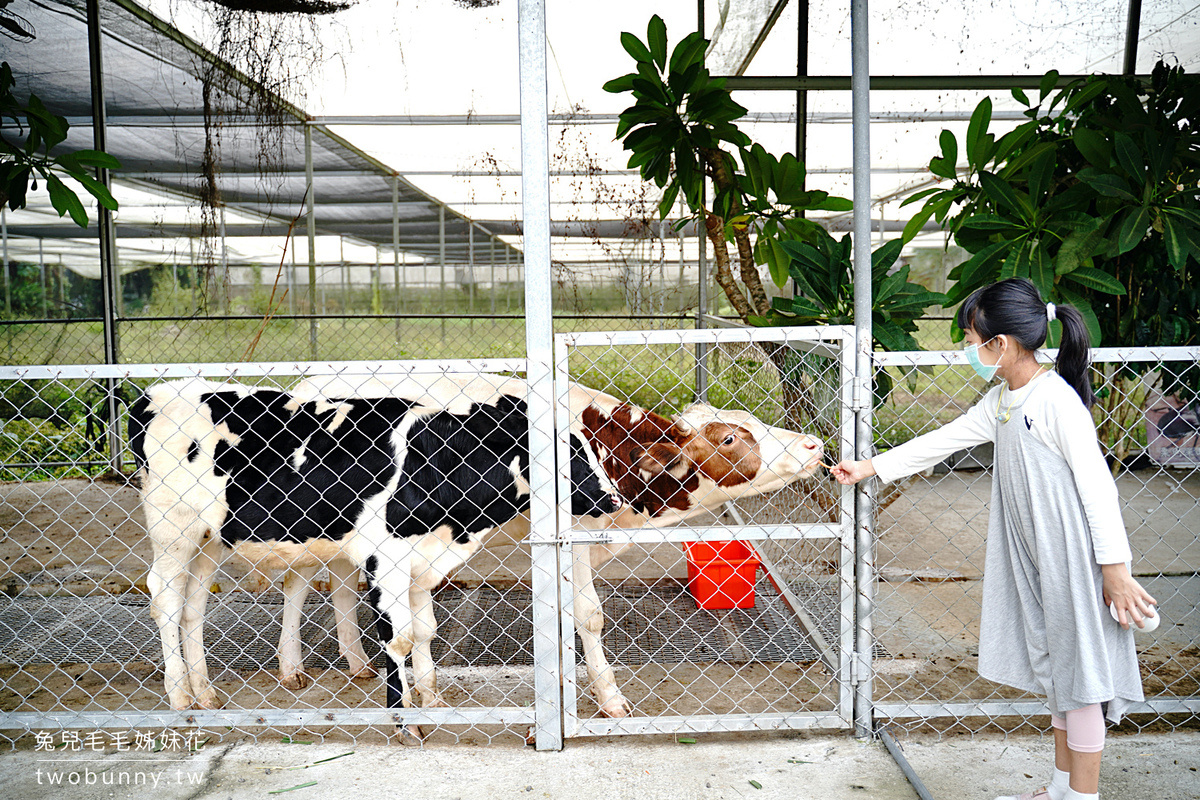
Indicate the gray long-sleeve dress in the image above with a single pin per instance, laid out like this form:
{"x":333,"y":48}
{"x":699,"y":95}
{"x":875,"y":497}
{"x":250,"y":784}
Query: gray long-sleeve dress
{"x":1055,"y":518}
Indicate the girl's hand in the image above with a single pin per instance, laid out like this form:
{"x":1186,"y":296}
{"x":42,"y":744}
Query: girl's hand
{"x":849,"y":473}
{"x":1126,"y":595}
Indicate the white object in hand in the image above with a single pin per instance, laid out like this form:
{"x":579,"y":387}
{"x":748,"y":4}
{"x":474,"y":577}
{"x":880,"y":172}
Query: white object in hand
{"x":1150,"y":621}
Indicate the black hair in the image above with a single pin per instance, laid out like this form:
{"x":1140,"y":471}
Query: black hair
{"x":1014,"y":307}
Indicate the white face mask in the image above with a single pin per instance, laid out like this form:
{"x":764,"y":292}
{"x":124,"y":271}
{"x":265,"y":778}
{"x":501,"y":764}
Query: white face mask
{"x":985,"y":371}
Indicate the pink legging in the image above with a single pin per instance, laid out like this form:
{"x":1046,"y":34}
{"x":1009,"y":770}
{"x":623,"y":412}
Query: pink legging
{"x":1084,"y":727}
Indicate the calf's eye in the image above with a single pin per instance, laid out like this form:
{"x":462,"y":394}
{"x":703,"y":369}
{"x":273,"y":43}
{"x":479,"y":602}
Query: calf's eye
{"x":729,"y":440}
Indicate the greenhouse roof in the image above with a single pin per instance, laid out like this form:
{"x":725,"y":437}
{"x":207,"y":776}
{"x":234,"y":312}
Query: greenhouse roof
{"x":426,"y":90}
{"x":155,"y":108}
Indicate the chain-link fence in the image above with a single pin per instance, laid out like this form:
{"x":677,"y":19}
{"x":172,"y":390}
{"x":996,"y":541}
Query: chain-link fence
{"x":931,"y":533}
{"x":100,"y":627}
{"x":722,"y":599}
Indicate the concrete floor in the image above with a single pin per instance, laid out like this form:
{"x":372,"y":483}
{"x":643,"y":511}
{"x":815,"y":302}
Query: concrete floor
{"x":795,"y":767}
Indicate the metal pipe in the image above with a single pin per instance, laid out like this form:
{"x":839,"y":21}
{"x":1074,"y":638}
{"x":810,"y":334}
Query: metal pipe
{"x":42,"y":277}
{"x":539,"y":351}
{"x":471,"y":266}
{"x":802,"y":72}
{"x":864,"y":579}
{"x":442,"y":264}
{"x":311,"y":228}
{"x":702,"y":309}
{"x":1132,"y":25}
{"x":108,"y":259}
{"x":897,"y":752}
{"x":4,"y":241}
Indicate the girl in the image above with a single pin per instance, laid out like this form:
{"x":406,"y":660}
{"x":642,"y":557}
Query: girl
{"x":1056,"y":548}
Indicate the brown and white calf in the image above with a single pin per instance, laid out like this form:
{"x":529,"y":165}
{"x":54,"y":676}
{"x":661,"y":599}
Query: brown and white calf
{"x":666,"y":470}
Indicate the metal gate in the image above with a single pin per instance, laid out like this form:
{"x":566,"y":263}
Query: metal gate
{"x":788,"y":662}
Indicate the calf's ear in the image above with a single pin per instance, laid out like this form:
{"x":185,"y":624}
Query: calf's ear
{"x":661,"y":458}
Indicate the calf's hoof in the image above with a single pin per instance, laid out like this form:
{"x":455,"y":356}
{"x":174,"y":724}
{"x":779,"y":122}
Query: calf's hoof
{"x":362,"y":673}
{"x":410,"y":735}
{"x":295,"y":681}
{"x":615,"y":707}
{"x":209,"y":701}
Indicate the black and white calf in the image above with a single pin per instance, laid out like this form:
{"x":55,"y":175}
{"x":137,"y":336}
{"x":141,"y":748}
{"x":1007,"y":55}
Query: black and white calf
{"x":401,"y":489}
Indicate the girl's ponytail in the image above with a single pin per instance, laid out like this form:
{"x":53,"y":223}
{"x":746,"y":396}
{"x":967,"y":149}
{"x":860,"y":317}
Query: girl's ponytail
{"x":1074,"y":354}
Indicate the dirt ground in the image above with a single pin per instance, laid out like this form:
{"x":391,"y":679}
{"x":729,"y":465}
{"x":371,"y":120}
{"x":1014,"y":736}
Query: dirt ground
{"x":85,"y":538}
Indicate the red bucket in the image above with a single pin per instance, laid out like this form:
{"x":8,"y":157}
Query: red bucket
{"x":721,"y":574}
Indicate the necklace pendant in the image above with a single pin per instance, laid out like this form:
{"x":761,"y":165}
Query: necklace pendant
{"x":1003,"y":416}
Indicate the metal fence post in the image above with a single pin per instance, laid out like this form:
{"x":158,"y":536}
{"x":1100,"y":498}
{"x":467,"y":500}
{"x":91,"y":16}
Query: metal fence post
{"x":108,"y":262}
{"x":539,"y":339}
{"x":311,"y":226}
{"x":863,"y":363}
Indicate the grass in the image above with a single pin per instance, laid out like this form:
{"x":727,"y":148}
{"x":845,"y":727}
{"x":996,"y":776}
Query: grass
{"x":660,"y":377}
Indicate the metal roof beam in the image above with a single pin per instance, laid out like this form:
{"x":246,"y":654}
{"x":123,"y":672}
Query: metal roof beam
{"x":791,"y":83}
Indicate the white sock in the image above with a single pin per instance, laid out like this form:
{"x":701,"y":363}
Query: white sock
{"x":1074,"y":795}
{"x":1059,"y":784}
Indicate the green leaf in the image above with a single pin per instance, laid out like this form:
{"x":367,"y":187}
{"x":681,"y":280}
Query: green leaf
{"x":619,"y":85}
{"x":97,"y":190}
{"x":1049,"y":81}
{"x":633,"y":45}
{"x":1133,"y":229}
{"x":917,"y":222}
{"x":668,"y":201}
{"x":912,"y":198}
{"x":1040,"y":174}
{"x":1020,"y":96}
{"x":833,"y":204}
{"x":689,"y":51}
{"x":1085,"y":310}
{"x":977,"y":127}
{"x":656,"y":37}
{"x":1017,"y":263}
{"x":886,"y":255}
{"x":1107,"y":184}
{"x":1093,"y":145}
{"x":1079,"y":244}
{"x":989,"y":222}
{"x":65,"y":201}
{"x":1095,"y":88}
{"x":1041,"y":269}
{"x":1003,"y":194}
{"x":778,"y":262}
{"x":1179,"y":244}
{"x":1189,"y":215}
{"x":1129,"y":157}
{"x":942,"y":168}
{"x":1095,"y":279}
{"x":978,"y":270}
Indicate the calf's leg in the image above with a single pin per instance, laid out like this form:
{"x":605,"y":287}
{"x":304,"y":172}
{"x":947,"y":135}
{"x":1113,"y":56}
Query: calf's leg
{"x":589,"y":624}
{"x":296,"y":583}
{"x":174,"y":550}
{"x":343,"y":582}
{"x":389,"y":587}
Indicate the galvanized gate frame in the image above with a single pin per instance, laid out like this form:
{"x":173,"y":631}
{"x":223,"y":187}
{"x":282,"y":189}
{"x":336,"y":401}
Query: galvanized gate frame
{"x":835,"y":342}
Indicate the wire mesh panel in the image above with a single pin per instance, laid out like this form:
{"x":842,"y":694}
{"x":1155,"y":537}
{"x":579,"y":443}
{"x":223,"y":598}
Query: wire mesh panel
{"x":228,"y":577}
{"x":932,"y":532}
{"x":731,"y":568}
